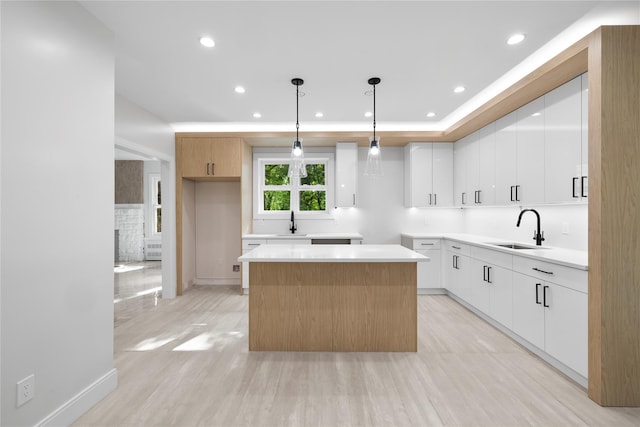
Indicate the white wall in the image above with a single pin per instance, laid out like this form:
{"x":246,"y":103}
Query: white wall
{"x":57,"y":175}
{"x":188,"y":233}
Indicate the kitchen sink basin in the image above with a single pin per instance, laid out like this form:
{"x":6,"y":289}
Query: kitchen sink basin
{"x":515,"y":246}
{"x":290,"y":235}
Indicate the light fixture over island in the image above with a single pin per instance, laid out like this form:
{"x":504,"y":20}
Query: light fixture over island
{"x":333,"y":298}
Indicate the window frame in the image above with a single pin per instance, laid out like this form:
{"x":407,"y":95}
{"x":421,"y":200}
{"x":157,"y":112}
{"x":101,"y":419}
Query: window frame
{"x":262,"y":159}
{"x":154,"y":181}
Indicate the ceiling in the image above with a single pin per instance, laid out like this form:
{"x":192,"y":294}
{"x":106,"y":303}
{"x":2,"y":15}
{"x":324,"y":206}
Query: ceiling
{"x":420,"y":49}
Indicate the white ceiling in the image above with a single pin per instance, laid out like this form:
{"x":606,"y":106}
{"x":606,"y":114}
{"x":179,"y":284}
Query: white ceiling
{"x":420,"y":49}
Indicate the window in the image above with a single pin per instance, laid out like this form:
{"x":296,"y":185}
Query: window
{"x":156,"y":205}
{"x":278,"y":194}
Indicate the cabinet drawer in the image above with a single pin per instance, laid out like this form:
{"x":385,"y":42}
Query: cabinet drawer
{"x":489,"y":256}
{"x":426,"y":244}
{"x":565,"y":276}
{"x":252,"y":244}
{"x":457,"y":247}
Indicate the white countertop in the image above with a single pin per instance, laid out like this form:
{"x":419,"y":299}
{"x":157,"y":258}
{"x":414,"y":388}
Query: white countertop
{"x":332,"y":253}
{"x":568,"y":257}
{"x":297,"y":236}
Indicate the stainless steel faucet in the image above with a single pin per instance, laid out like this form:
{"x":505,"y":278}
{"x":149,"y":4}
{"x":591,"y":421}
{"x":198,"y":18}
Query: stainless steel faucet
{"x":538,"y":235}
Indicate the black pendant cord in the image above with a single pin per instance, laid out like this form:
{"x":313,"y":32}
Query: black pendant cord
{"x":297,"y":122}
{"x":374,"y":113}
{"x":373,"y":81}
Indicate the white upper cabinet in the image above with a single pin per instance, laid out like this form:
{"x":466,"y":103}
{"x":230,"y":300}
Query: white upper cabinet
{"x":460,"y":173}
{"x":346,"y":174}
{"x":506,"y":143}
{"x":563,"y":143}
{"x":584,"y":183}
{"x":442,"y":162}
{"x":530,"y":153}
{"x":486,"y":192}
{"x":428,"y":174}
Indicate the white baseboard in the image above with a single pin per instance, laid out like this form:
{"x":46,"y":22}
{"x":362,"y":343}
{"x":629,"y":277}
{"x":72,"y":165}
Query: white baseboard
{"x":432,"y":291}
{"x":72,"y":409}
{"x":216,"y":282}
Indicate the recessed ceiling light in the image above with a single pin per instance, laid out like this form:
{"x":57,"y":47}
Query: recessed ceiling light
{"x":368,"y":114}
{"x":459,"y":89}
{"x":207,"y":42}
{"x":257,"y":115}
{"x":515,"y":39}
{"x":431,"y":114}
{"x":536,"y":114}
{"x":319,"y":114}
{"x":239,"y":89}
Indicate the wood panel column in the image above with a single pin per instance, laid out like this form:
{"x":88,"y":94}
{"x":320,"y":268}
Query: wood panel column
{"x":614,"y":216}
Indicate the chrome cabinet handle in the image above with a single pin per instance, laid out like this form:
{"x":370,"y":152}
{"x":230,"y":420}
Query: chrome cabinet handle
{"x":574,"y":180}
{"x":583,"y":186}
{"x":212,"y":169}
{"x":426,"y":244}
{"x":354,"y":199}
{"x":435,"y":199}
{"x":208,"y":169}
{"x":537,"y":293}
{"x":456,"y":247}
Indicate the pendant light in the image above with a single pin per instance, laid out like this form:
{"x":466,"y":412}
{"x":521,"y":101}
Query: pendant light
{"x":297,"y":168}
{"x":374,"y":157}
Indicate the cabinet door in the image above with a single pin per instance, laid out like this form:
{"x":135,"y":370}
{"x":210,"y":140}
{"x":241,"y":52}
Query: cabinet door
{"x":226,"y":158}
{"x":442,"y":161}
{"x":346,"y":174}
{"x":584,"y":190}
{"x":463,"y":278}
{"x":472,"y":155}
{"x":506,"y":142}
{"x":480,"y":287}
{"x":487,"y":166}
{"x":429,"y":272}
{"x":530,"y":155}
{"x":196,"y":158}
{"x":501,"y":296}
{"x":420,"y":175}
{"x":528,"y":315}
{"x":460,"y":196}
{"x":566,"y":326}
{"x":562,"y":142}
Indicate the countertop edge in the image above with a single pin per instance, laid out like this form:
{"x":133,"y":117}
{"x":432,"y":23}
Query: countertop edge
{"x":481,"y":242}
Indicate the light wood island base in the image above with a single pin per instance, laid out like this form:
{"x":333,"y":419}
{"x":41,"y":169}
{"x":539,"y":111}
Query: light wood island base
{"x":333,"y":306}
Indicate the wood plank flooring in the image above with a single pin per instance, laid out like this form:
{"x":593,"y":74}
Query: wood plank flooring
{"x":184,"y":362}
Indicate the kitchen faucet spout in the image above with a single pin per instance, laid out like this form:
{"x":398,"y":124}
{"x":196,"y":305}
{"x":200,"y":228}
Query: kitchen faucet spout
{"x":538,"y":235}
{"x":292,"y":224}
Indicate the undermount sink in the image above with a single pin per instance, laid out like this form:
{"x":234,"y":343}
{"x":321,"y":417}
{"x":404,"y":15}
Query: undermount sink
{"x":515,"y":246}
{"x":290,"y":235}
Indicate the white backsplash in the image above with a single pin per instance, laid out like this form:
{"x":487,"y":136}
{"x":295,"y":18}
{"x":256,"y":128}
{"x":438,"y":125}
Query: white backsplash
{"x":381,"y":216}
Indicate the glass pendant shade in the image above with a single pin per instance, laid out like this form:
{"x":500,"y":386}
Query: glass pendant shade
{"x":297,"y":168}
{"x":374,"y":158}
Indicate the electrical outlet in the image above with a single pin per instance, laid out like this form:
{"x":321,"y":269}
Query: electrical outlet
{"x":236,"y":268}
{"x":25,"y":390}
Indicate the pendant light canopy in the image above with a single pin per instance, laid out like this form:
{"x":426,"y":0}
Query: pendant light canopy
{"x":374,"y":157}
{"x":297,"y":168}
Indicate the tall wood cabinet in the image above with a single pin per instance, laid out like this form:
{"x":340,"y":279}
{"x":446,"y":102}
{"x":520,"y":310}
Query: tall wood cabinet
{"x":207,"y":157}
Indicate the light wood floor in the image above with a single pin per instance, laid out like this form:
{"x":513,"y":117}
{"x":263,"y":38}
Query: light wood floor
{"x":184,"y":362}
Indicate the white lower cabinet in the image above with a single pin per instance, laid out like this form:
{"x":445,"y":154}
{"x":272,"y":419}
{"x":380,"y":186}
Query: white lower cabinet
{"x":458,"y":270}
{"x":492,"y":290}
{"x":545,"y":304}
{"x":429,"y":273}
{"x":552,"y":317}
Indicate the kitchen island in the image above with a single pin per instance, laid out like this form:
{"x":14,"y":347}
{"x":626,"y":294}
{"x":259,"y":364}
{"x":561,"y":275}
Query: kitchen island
{"x":332,"y":298}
